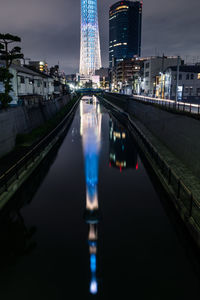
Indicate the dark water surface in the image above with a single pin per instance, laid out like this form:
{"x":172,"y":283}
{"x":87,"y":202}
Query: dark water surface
{"x":90,"y":223}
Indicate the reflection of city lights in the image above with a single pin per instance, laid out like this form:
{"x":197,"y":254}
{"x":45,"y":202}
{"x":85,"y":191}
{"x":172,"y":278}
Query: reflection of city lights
{"x":93,"y":287}
{"x":90,"y":130}
{"x":121,"y":153}
{"x":92,"y":233}
{"x":93,"y":263}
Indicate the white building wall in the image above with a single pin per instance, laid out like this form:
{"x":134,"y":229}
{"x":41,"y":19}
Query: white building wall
{"x":152,"y":68}
{"x":24,"y":83}
{"x":190,"y":87}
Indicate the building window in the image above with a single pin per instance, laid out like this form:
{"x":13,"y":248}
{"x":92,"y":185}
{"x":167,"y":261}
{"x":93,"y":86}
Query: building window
{"x":191,"y":91}
{"x":22,"y":79}
{"x":192,"y":76}
{"x":147,"y":66}
{"x":147,"y":74}
{"x":198,"y":76}
{"x":187,"y":76}
{"x":198,"y":91}
{"x":180,"y":76}
{"x":31,"y":81}
{"x":45,"y":84}
{"x":186,"y":90}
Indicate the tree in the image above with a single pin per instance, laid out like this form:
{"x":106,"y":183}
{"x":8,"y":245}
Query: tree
{"x":8,"y":55}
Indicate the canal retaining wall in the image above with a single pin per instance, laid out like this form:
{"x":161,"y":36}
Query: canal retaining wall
{"x":23,"y":119}
{"x":179,"y":133}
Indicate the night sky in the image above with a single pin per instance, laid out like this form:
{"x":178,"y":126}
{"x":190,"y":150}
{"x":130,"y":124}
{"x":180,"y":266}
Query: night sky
{"x":50,"y":29}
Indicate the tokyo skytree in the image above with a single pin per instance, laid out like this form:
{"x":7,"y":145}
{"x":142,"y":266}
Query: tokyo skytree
{"x":90,"y":57}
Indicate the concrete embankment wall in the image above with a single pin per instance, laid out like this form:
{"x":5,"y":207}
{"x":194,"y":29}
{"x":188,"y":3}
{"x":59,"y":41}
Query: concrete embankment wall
{"x":180,"y":134}
{"x":24,"y":119}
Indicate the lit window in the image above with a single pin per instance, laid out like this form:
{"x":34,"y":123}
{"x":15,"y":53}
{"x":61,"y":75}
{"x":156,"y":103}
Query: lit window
{"x":198,"y":76}
{"x":121,"y":7}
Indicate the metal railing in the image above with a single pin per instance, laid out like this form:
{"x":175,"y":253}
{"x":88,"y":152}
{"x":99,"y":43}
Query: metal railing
{"x":11,"y":175}
{"x":170,"y":104}
{"x":183,"y":196}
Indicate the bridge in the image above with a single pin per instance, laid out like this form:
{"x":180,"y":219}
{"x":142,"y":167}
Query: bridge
{"x":89,"y":91}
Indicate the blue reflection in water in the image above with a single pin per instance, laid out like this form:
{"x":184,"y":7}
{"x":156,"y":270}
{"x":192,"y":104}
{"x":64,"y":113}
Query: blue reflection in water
{"x":94,"y":286}
{"x":93,"y":267}
{"x":93,"y":263}
{"x":91,"y":135}
{"x":91,"y":172}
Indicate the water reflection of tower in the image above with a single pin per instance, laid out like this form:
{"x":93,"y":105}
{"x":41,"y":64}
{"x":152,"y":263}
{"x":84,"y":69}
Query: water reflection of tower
{"x":122,"y":153}
{"x":90,"y":130}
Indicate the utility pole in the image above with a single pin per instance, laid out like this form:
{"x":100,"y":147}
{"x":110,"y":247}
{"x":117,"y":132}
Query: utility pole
{"x":177,"y":78}
{"x":162,"y":77}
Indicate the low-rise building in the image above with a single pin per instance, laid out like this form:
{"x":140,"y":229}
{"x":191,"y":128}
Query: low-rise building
{"x":27,"y":84}
{"x":123,"y":75}
{"x":103,"y":74}
{"x":153,"y":66}
{"x":41,"y":66}
{"x":188,"y":83}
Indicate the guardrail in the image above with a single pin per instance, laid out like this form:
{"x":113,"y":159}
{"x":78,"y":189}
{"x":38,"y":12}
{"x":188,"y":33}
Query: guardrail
{"x":183,"y":195}
{"x":171,"y":104}
{"x":11,"y":175}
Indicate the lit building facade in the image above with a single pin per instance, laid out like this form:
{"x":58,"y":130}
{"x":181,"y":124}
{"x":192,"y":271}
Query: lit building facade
{"x":41,"y":66}
{"x":90,"y":56}
{"x":125,"y":26}
{"x":188,"y":83}
{"x":153,"y":67}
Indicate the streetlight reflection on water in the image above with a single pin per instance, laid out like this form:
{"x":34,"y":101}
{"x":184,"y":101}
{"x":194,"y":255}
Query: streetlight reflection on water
{"x":90,"y":130}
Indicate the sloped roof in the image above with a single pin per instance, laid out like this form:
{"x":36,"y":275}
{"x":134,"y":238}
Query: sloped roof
{"x":23,"y":69}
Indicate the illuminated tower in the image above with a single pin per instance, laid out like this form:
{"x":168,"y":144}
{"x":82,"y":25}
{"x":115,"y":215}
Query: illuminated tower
{"x":90,"y":57}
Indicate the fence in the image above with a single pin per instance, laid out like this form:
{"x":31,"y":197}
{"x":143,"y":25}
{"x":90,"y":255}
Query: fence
{"x":171,"y":104}
{"x":11,"y":175}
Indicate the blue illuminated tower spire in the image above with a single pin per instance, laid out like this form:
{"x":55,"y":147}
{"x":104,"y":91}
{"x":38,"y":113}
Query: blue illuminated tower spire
{"x":90,"y":57}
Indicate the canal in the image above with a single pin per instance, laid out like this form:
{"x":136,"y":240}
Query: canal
{"x":93,"y":222}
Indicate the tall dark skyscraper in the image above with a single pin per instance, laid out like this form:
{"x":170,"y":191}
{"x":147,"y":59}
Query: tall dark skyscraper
{"x":125,"y":26}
